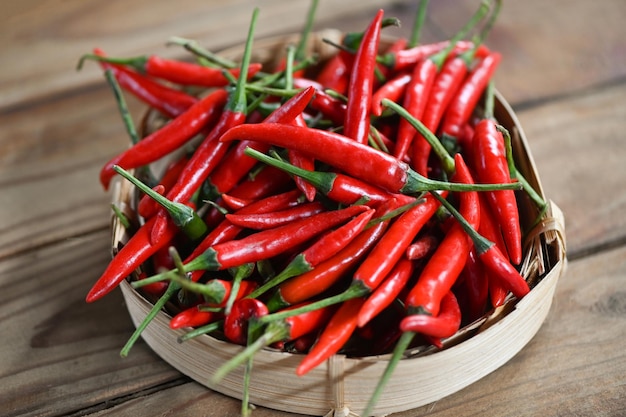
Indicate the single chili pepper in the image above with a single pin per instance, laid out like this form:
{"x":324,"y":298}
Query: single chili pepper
{"x":361,"y":81}
{"x":336,"y":186}
{"x":491,"y":257}
{"x":168,"y":138}
{"x":304,"y":162}
{"x":194,"y":317}
{"x":169,"y":101}
{"x":446,"y":263}
{"x":422,"y":247}
{"x":490,"y":164}
{"x":476,"y":285}
{"x":365,"y":163}
{"x":236,"y":323}
{"x":464,"y":102}
{"x":265,"y":182}
{"x":179,"y":72}
{"x":334,"y":74}
{"x":263,"y":221}
{"x":235,"y":203}
{"x":323,"y":249}
{"x":445,"y":324}
{"x":135,"y":252}
{"x":327,"y":273}
{"x":210,"y":151}
{"x":392,"y":90}
{"x":236,"y":164}
{"x":392,"y":245}
{"x":285,"y":330}
{"x":147,"y":206}
{"x":334,"y":336}
{"x":183,"y":216}
{"x":268,"y":243}
{"x":497,"y":290}
{"x":386,"y":292}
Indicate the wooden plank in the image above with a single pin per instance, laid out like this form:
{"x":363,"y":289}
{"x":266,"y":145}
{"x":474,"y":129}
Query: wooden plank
{"x":573,"y":366}
{"x":60,"y":354}
{"x":577,"y":145}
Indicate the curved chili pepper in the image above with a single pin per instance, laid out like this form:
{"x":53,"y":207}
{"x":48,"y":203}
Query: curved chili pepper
{"x":267,"y":181}
{"x":464,"y":102}
{"x":324,"y":248}
{"x":194,"y":317}
{"x":304,"y":162}
{"x":365,"y":162}
{"x":386,"y":292}
{"x":392,"y":90}
{"x":446,"y":263}
{"x":135,"y":252}
{"x":236,"y":323}
{"x":338,"y":187}
{"x":166,"y":100}
{"x":445,"y":324}
{"x":407,"y":58}
{"x":491,"y":165}
{"x":263,"y":221}
{"x":210,"y":151}
{"x":268,"y":243}
{"x":147,"y":206}
{"x":334,"y":336}
{"x":357,"y":123}
{"x":168,"y":138}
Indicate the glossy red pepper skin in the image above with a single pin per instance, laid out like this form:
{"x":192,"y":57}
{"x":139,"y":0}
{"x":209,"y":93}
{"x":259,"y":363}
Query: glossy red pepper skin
{"x":475,"y":285}
{"x":168,"y":101}
{"x":392,"y":90}
{"x":193,"y":317}
{"x":264,"y":221}
{"x":406,"y":58}
{"x":447,"y":262}
{"x":305,"y":162}
{"x":334,"y":336}
{"x":445,"y":324}
{"x":135,"y":252}
{"x":269,"y":243}
{"x":491,"y":165}
{"x":387,"y":291}
{"x":464,"y":102}
{"x":147,"y":206}
{"x":188,"y":73}
{"x":361,"y":83}
{"x":334,"y":75}
{"x":236,"y":323}
{"x":170,"y":137}
{"x":422,"y":247}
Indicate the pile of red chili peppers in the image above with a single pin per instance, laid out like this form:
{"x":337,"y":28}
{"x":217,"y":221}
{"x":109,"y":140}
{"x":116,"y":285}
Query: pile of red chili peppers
{"x":359,"y":205}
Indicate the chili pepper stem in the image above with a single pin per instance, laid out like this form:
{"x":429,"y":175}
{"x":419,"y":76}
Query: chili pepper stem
{"x":420,"y":17}
{"x":355,"y":290}
{"x":195,"y":48}
{"x":183,"y":216}
{"x":297,"y":266}
{"x":401,"y":346}
{"x":242,"y":272}
{"x":156,"y":308}
{"x":211,"y":327}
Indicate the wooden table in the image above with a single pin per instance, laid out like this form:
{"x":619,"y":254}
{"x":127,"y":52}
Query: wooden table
{"x":564,"y":72}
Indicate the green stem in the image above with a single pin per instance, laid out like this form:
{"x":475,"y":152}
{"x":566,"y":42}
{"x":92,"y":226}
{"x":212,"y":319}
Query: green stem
{"x":122,"y":106}
{"x":156,"y":308}
{"x":182,"y":215}
{"x":237,"y":102}
{"x":468,"y":56}
{"x":300,"y":52}
{"x":206,"y":329}
{"x":446,"y":159}
{"x":241,"y":272}
{"x":123,"y":219}
{"x":297,"y":266}
{"x":420,"y":18}
{"x":138,"y":63}
{"x":291,"y":51}
{"x":398,"y":352}
{"x":195,"y":48}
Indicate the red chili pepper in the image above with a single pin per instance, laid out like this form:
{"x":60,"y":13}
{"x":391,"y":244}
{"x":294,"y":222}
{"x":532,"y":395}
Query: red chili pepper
{"x":168,"y":138}
{"x":135,"y":252}
{"x":304,"y":162}
{"x":338,"y":187}
{"x":324,"y":248}
{"x":236,"y":323}
{"x":392,"y":245}
{"x":476,"y":285}
{"x":334,"y":75}
{"x":446,"y":264}
{"x":334,"y":336}
{"x":387,"y":291}
{"x":407,"y":58}
{"x":194,"y":317}
{"x":147,"y":206}
{"x":365,"y":162}
{"x":168,"y":101}
{"x":491,"y":165}
{"x":392,"y":90}
{"x":361,"y":83}
{"x":445,"y":324}
{"x":210,"y":151}
{"x":263,"y":221}
{"x":422,"y":247}
{"x":266,"y":182}
{"x":269,"y":243}
{"x":236,"y":164}
{"x":464,"y":102}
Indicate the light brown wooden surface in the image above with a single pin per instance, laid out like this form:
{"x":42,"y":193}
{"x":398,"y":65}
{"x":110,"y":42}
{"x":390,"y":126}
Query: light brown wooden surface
{"x":563,"y":70}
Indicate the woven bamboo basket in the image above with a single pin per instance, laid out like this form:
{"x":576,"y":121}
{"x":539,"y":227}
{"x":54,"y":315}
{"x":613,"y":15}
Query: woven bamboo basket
{"x":343,"y":385}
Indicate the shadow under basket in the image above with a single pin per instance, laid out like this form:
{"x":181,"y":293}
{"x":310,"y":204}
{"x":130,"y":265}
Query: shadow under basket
{"x":342,"y":386}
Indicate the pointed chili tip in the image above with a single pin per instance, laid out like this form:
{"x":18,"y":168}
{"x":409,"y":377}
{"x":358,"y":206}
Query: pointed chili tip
{"x":95,"y":294}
